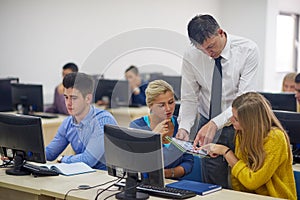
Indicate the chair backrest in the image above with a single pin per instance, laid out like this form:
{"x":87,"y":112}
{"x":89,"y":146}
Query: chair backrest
{"x":297,"y":180}
{"x":195,"y":175}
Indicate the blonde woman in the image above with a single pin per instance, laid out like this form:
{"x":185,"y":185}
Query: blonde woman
{"x":288,"y":83}
{"x":262,"y":162}
{"x":161,"y":102}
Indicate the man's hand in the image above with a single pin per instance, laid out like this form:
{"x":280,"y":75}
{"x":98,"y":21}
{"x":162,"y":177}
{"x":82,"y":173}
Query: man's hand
{"x":206,"y":134}
{"x":4,"y":158}
{"x":183,"y":135}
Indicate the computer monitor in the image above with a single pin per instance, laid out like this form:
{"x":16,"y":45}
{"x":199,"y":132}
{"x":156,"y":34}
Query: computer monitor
{"x":281,"y":101}
{"x":175,"y":82}
{"x":117,"y":92}
{"x":5,"y":91}
{"x":291,"y":123}
{"x":27,"y":97}
{"x":21,"y":139}
{"x":134,"y":152}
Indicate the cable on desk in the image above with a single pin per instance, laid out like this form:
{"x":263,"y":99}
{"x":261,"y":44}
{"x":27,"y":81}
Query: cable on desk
{"x":104,"y":183}
{"x":66,"y":195}
{"x":111,"y":195}
{"x":106,"y":189}
{"x":119,"y":191}
{"x":75,"y":189}
{"x":6,"y":164}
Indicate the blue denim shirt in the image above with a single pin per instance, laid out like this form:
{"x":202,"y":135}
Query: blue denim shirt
{"x":86,"y":139}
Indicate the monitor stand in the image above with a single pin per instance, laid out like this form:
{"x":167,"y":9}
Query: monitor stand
{"x":130,"y":192}
{"x":18,"y":169}
{"x":25,"y":106}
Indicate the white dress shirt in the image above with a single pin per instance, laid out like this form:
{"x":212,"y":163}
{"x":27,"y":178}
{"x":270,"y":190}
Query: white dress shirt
{"x":240,"y":60}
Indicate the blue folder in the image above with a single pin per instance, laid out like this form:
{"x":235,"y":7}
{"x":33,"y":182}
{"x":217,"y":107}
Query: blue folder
{"x":197,"y":187}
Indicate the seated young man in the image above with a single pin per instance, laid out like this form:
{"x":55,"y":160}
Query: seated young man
{"x":58,"y":105}
{"x":84,"y":128}
{"x":137,"y":86}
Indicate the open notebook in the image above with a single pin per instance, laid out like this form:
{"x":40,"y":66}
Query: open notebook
{"x":69,"y":169}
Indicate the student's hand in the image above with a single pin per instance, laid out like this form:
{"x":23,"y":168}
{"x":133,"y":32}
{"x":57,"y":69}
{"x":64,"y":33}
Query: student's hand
{"x":183,"y":135}
{"x":4,"y":158}
{"x":134,"y":86}
{"x":214,"y":150}
{"x":162,"y":127}
{"x":206,"y":134}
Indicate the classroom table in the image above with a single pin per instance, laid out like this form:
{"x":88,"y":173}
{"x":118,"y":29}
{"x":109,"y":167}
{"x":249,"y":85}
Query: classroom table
{"x":55,"y":187}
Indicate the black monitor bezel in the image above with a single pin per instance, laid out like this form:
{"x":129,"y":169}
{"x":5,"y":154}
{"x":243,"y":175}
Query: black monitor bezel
{"x":22,"y":133}
{"x":291,"y":123}
{"x":33,"y":93}
{"x":123,"y":150}
{"x":281,"y":101}
{"x":117,"y":91}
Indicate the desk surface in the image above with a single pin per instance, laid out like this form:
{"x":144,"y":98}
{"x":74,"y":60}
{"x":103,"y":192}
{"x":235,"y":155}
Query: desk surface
{"x":124,"y":115}
{"x":57,"y":186}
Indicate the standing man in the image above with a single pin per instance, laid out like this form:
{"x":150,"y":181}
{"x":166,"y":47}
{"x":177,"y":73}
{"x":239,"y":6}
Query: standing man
{"x":137,"y":86}
{"x":84,"y":128}
{"x":219,"y":65}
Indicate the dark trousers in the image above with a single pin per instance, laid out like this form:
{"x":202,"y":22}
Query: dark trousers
{"x":215,"y":170}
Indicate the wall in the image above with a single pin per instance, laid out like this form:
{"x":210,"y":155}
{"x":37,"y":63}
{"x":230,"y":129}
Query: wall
{"x":272,"y":78}
{"x":247,"y":19}
{"x":38,"y":37}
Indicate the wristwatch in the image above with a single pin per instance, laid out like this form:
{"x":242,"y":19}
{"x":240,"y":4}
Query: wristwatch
{"x":172,"y":172}
{"x":60,"y":158}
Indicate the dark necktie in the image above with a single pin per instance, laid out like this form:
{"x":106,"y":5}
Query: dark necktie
{"x":216,"y":90}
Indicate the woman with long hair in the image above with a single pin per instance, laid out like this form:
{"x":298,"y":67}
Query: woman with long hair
{"x":262,"y":160}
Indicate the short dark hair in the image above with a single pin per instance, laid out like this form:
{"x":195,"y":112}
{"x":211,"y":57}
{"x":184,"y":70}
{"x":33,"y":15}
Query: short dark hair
{"x":71,"y":66}
{"x":81,"y":81}
{"x":132,"y":68}
{"x":297,"y":78}
{"x":202,"y":27}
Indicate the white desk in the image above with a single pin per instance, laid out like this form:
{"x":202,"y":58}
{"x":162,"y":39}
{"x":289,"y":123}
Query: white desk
{"x":50,"y":127}
{"x":50,"y":188}
{"x":124,"y":115}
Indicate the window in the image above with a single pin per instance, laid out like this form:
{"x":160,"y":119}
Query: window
{"x":287,"y":59}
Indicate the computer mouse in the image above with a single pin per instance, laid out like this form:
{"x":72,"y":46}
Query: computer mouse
{"x":84,"y":187}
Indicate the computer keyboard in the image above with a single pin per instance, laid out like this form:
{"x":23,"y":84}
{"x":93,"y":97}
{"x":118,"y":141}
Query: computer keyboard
{"x":39,"y":170}
{"x":165,"y":192}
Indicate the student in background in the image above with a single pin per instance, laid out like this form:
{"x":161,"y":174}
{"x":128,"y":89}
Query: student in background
{"x":59,"y":105}
{"x":297,"y":90}
{"x":262,"y":162}
{"x":161,"y":102}
{"x":84,"y":128}
{"x":137,"y":86}
{"x":288,"y":82}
